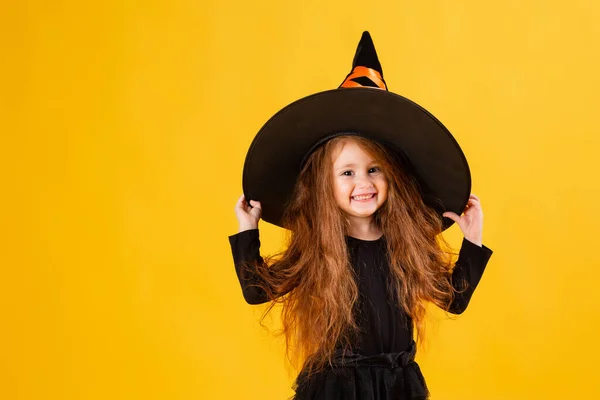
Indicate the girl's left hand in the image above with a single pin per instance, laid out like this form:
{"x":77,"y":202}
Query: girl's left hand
{"x":471,"y":222}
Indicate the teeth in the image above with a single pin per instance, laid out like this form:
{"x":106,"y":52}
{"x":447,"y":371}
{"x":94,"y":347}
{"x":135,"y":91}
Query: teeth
{"x":363,"y":197}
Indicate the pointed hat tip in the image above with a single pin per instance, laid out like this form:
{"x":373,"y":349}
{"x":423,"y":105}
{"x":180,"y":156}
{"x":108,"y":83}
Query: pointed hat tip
{"x":366,"y":55}
{"x":366,"y":39}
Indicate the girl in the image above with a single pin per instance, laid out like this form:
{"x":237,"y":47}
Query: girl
{"x":365,"y":213}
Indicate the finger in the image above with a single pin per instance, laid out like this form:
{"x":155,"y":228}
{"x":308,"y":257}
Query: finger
{"x":240,"y":202}
{"x":257,"y":212}
{"x":473,"y":202}
{"x":256,"y":209}
{"x":242,"y":205}
{"x":453,"y":216}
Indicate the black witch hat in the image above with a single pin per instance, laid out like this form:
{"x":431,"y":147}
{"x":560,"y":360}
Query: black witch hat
{"x":361,"y":105}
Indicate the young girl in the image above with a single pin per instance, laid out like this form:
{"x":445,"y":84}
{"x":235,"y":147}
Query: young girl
{"x":365,"y":211}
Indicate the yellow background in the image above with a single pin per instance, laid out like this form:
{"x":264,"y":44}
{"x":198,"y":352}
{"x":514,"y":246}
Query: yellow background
{"x":124,"y":129}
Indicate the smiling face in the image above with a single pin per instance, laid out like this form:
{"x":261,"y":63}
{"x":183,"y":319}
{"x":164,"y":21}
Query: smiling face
{"x":359,"y":185}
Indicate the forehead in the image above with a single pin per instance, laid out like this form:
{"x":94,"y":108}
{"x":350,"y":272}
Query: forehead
{"x":349,"y":150}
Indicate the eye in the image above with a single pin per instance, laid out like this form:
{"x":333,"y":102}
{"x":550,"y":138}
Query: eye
{"x":347,"y":173}
{"x":374,"y":169}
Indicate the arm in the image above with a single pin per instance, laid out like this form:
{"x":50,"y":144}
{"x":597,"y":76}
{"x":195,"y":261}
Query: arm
{"x":245,"y":248}
{"x":473,"y":256}
{"x":467,"y":273}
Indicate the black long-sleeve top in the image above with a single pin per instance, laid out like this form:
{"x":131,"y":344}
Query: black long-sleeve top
{"x":385,"y":327}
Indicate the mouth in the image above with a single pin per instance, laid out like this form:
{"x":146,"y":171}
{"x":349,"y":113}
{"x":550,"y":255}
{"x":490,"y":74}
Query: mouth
{"x":364,"y":197}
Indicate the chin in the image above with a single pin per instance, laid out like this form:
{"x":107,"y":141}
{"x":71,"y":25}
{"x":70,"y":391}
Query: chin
{"x":363,"y":213}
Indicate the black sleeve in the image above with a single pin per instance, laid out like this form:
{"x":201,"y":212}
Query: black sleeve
{"x":467,"y":272}
{"x":245,"y":248}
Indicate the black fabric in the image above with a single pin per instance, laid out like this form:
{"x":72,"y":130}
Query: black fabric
{"x":357,"y":377}
{"x":366,"y":55}
{"x":363,"y":80}
{"x":386,"y":330}
{"x":275,"y":157}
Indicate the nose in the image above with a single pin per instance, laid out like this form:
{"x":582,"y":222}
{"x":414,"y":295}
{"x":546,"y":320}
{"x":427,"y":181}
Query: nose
{"x":364,"y":181}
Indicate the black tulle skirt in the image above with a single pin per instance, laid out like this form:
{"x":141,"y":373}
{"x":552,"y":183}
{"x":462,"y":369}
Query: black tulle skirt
{"x":355,"y":377}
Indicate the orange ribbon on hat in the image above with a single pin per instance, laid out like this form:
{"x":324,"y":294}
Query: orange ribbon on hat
{"x":364,"y":72}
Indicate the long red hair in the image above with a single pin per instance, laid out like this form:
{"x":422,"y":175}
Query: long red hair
{"x":313,"y":278}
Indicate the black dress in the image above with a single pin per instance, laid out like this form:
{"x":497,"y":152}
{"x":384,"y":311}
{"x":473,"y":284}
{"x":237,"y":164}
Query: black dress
{"x":382,"y":365}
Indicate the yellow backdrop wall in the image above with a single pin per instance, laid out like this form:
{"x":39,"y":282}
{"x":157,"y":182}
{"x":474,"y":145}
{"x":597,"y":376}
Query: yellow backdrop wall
{"x":124,"y":130}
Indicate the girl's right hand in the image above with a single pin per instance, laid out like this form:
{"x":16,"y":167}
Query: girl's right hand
{"x":247,"y":215}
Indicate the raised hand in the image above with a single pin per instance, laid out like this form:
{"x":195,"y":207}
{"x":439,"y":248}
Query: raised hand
{"x":247,"y":215}
{"x":471,"y":221}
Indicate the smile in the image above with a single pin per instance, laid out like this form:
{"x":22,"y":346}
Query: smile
{"x":364,"y":197}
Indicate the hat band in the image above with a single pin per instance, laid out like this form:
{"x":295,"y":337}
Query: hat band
{"x":360,"y":73}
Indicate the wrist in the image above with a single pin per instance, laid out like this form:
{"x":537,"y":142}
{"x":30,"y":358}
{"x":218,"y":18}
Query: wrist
{"x":475,"y":241}
{"x":247,"y":227}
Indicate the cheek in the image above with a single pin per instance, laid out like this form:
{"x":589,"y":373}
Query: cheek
{"x":341,"y":190}
{"x":383,"y":187}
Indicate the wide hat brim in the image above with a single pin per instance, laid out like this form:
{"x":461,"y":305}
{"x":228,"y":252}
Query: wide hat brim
{"x":274,"y":160}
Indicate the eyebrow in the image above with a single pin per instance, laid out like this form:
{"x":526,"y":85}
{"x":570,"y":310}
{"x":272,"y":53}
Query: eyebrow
{"x":354,"y":165}
{"x":346,"y":166}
